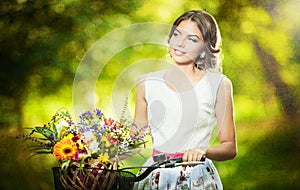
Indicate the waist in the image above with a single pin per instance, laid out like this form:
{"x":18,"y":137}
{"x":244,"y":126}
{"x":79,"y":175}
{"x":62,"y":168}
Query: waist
{"x":168,"y":155}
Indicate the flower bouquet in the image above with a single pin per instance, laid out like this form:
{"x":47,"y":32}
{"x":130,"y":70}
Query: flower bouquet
{"x":88,"y":151}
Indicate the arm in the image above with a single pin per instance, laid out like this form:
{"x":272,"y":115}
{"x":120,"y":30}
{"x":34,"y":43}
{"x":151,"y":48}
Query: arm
{"x":224,"y":112}
{"x":140,"y":123}
{"x":227,"y":148}
{"x":140,"y":116}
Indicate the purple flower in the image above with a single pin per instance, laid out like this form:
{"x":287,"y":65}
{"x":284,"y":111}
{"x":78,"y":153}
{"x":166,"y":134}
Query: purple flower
{"x":102,"y":130}
{"x":48,"y":144}
{"x":86,"y":115}
{"x":99,"y":135}
{"x":80,"y":154}
{"x":51,"y":136}
{"x":85,"y":129}
{"x":99,"y":113}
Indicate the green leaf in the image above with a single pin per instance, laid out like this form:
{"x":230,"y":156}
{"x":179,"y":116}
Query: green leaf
{"x":53,"y":126}
{"x":43,"y":131}
{"x":138,"y":144}
{"x":65,"y":164}
{"x":44,"y":152}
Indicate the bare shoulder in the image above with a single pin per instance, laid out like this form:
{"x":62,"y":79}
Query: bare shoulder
{"x":225,"y":87}
{"x":150,"y":76}
{"x":140,"y":84}
{"x":226,"y":82}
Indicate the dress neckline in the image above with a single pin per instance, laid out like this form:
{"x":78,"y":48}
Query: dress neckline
{"x":180,"y":92}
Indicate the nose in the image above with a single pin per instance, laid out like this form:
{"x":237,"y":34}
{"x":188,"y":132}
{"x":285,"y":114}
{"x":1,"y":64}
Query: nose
{"x":180,"y":42}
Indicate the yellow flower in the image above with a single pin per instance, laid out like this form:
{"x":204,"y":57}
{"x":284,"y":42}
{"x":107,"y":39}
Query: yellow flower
{"x":106,"y":141}
{"x":104,"y":158}
{"x":80,"y":145}
{"x":65,"y":149}
{"x":69,"y":136}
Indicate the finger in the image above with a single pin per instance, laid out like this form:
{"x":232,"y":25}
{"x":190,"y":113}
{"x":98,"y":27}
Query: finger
{"x":199,"y":156}
{"x":185,"y":156}
{"x":191,"y":156}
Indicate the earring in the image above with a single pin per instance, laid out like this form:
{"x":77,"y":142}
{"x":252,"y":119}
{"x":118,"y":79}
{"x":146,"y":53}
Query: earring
{"x":202,"y":55}
{"x":168,"y":56}
{"x":200,"y":61}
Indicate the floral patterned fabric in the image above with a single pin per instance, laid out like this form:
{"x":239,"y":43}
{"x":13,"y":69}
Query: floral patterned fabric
{"x":199,"y":177}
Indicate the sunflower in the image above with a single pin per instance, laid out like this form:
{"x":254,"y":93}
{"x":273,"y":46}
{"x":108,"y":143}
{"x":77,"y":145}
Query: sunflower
{"x":65,"y":149}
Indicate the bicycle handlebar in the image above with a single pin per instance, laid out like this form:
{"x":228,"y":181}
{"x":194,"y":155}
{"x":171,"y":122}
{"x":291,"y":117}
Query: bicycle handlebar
{"x":161,"y":162}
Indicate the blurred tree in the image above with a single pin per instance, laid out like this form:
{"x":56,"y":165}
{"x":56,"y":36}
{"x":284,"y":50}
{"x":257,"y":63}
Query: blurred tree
{"x":43,"y":41}
{"x":270,"y":64}
{"x":31,"y":33}
{"x":257,"y":25}
{"x":284,"y":92}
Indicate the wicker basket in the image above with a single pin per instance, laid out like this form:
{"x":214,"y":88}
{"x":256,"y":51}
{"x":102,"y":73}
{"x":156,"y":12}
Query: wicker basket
{"x":92,"y":178}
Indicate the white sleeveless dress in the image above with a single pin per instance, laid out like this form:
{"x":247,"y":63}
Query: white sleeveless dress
{"x":180,"y":121}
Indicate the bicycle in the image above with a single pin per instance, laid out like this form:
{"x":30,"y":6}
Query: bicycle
{"x":119,"y":179}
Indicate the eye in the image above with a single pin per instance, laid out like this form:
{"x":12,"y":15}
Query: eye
{"x":176,"y":33}
{"x":195,"y":40}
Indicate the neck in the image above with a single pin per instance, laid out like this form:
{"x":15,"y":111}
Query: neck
{"x":183,"y":78}
{"x":190,"y":71}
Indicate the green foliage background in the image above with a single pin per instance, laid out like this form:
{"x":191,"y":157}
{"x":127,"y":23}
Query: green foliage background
{"x":43,"y":42}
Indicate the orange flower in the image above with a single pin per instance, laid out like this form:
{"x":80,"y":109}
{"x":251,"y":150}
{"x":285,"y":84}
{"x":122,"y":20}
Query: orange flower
{"x":65,"y":149}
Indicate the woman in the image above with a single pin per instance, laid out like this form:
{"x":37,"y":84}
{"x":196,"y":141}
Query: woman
{"x":183,"y":104}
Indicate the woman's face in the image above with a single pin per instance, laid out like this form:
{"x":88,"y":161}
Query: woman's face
{"x":186,"y":43}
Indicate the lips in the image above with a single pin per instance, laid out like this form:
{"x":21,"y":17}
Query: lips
{"x":178,"y":52}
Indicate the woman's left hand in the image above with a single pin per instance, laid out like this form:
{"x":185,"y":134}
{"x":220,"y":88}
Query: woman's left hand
{"x":193,"y":155}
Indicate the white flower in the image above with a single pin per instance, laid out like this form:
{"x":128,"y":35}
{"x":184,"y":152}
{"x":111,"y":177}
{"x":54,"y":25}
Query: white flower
{"x":89,"y":136}
{"x":93,"y":146}
{"x":61,"y":127}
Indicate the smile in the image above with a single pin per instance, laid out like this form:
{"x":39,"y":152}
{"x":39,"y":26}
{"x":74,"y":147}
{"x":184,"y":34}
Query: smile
{"x":179,"y":52}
